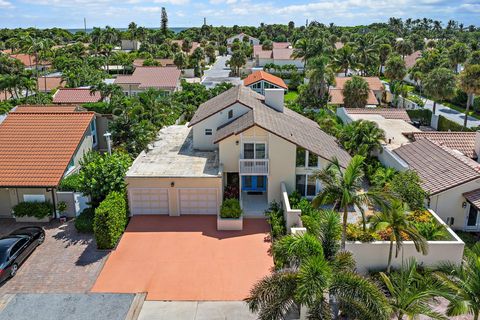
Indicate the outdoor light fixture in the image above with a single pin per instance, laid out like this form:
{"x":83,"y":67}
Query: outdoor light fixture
{"x":464,"y":204}
{"x":236,"y":142}
{"x":172,"y":184}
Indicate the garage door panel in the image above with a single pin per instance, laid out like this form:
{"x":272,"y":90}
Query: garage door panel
{"x":198,"y":201}
{"x":149,"y":201}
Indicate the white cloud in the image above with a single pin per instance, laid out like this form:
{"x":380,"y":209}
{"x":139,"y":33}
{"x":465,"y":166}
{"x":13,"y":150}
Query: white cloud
{"x":4,"y":4}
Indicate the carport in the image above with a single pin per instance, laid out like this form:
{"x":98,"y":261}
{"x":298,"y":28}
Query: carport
{"x":186,"y":258}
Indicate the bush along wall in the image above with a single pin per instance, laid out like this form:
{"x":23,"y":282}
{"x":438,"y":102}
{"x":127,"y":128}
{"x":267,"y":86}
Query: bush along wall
{"x":422,"y":115}
{"x":38,"y":210}
{"x":110,"y":220}
{"x":445,"y":124}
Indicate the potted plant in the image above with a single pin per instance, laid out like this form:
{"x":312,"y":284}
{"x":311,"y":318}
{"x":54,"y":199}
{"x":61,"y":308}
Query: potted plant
{"x":231,"y":215}
{"x":62,"y":207}
{"x":33,"y":211}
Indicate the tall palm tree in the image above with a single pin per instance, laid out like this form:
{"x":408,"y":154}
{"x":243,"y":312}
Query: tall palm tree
{"x":439,"y":84}
{"x":469,"y":82}
{"x":404,"y":48}
{"x":384,"y":51}
{"x":458,"y":53}
{"x":344,"y":59}
{"x":463,"y":282}
{"x":395,"y":70}
{"x":318,"y":75}
{"x":361,"y":137}
{"x":317,"y":284}
{"x":344,"y":189}
{"x":410,"y":293}
{"x":393,"y":220}
{"x":355,"y":93}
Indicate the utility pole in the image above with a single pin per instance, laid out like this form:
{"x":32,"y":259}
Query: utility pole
{"x":85,"y":24}
{"x":204,"y":21}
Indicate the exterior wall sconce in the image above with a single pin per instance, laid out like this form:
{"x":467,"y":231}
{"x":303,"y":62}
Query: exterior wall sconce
{"x":464,"y":204}
{"x":236,"y":142}
{"x":172,"y":184}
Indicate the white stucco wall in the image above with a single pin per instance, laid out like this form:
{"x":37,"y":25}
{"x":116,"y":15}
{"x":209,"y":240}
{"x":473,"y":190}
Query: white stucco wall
{"x":282,"y":155}
{"x":204,"y":142}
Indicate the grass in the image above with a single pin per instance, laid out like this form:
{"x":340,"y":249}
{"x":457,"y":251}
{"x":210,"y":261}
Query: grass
{"x":291,"y":95}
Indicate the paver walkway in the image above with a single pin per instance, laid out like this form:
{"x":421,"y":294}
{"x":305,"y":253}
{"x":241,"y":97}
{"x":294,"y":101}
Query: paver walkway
{"x":186,"y":258}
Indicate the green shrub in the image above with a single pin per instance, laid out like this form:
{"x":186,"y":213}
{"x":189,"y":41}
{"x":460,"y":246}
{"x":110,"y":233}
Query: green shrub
{"x":110,"y":220}
{"x":417,"y":100}
{"x":422,"y":115}
{"x":294,"y":199}
{"x":231,"y":209}
{"x":355,"y":232}
{"x":445,"y":124}
{"x":84,"y":222}
{"x":99,"y":107}
{"x":38,"y":210}
{"x":406,"y":186}
{"x":70,"y":183}
{"x":276,"y":221}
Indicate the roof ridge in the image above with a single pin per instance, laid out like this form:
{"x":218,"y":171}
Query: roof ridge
{"x":458,"y":155}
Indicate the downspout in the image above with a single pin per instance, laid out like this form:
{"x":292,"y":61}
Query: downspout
{"x":54,"y":203}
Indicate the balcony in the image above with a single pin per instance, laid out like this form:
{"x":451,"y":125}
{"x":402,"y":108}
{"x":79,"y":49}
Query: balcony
{"x":253,"y":167}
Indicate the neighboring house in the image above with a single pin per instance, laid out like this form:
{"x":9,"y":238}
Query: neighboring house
{"x":195,"y":45}
{"x":251,"y":40}
{"x":47,"y":84}
{"x":38,"y":147}
{"x":463,"y":142}
{"x":239,"y":139}
{"x":375,"y":94}
{"x":281,"y":54}
{"x":129,"y":45}
{"x":144,"y":78}
{"x":162,"y":62}
{"x":258,"y":81}
{"x":5,"y":95}
{"x":75,"y":96}
{"x":30,"y":62}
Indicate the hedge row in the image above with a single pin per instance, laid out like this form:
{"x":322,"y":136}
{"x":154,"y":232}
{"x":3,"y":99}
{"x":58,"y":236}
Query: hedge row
{"x":422,"y":115}
{"x":110,"y":220}
{"x":445,"y":124}
{"x":38,"y":210}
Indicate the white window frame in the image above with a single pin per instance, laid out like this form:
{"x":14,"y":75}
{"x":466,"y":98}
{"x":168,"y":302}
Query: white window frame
{"x":467,"y":212}
{"x":34,"y":198}
{"x":255,"y":148}
{"x":317,"y":185}
{"x":307,"y":157}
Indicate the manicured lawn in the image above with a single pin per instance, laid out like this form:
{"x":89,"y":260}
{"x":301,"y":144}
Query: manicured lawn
{"x":291,"y":95}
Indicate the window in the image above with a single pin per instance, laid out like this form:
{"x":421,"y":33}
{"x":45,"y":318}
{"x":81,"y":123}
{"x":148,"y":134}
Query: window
{"x":301,"y":156}
{"x":312,"y":160}
{"x":208,"y":132}
{"x":93,"y":129}
{"x":230,"y":114}
{"x":254,"y":151}
{"x":260,"y":151}
{"x":257,"y":85}
{"x":17,"y":246}
{"x":472,"y":217}
{"x":34,"y":197}
{"x":300,"y":184}
{"x":306,"y":185}
{"x":247,"y":182}
{"x":311,"y":186}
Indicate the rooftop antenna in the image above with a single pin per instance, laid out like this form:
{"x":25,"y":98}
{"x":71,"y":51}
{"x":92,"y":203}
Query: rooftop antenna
{"x":204,"y":21}
{"x":85,"y":24}
{"x":306,"y":23}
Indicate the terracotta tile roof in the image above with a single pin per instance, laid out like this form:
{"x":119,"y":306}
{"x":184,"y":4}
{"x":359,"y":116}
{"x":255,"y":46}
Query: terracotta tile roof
{"x":265,"y":76}
{"x":36,"y":148}
{"x":438,"y":168}
{"x":75,"y":95}
{"x":473,"y":197}
{"x":262,"y":54}
{"x":163,"y":62}
{"x":461,"y":141}
{"x":5,"y":95}
{"x":281,"y":45}
{"x":412,"y":58}
{"x":374,"y":83}
{"x":27,"y":59}
{"x":288,"y":125}
{"x":336,"y":97}
{"x":387,"y":113}
{"x":152,"y":77}
{"x":49,"y":108}
{"x":282,"y":54}
{"x":195,"y":45}
{"x":51,"y":83}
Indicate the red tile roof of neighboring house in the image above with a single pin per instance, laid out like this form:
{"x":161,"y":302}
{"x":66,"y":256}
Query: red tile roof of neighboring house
{"x":461,"y":141}
{"x":387,"y":113}
{"x":281,"y":45}
{"x":37,"y":147}
{"x":51,"y":108}
{"x":412,"y":58}
{"x":265,"y":76}
{"x":336,"y":97}
{"x":162,"y":62}
{"x":262,"y":54}
{"x":152,"y":77}
{"x":282,"y":54}
{"x":76,"y":95}
{"x":5,"y":95}
{"x":50,"y":82}
{"x":195,"y":45}
{"x":374,"y":83}
{"x":27,"y":59}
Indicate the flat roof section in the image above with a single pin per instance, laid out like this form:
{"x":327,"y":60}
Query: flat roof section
{"x":172,"y":155}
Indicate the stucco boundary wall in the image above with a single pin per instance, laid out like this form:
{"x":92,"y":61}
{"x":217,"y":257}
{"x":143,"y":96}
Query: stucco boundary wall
{"x":374,"y":255}
{"x":292,"y":216}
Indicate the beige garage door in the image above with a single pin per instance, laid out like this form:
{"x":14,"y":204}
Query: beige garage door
{"x":198,"y":201}
{"x":148,"y":201}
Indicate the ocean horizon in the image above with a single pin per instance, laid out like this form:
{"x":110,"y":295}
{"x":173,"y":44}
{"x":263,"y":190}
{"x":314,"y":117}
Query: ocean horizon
{"x":174,"y":29}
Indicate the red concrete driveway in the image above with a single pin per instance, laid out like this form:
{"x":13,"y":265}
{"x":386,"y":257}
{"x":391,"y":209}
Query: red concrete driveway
{"x":186,"y":258}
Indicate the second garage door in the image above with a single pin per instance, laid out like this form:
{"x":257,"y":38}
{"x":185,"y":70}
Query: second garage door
{"x":198,"y":201}
{"x":149,"y":201}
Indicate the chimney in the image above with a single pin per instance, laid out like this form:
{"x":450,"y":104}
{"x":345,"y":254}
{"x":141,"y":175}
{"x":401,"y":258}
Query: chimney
{"x":477,"y":145}
{"x":274,"y":99}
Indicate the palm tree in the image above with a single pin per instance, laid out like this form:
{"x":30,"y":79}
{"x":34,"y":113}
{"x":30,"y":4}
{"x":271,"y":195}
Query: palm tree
{"x":317,"y":73}
{"x":439,"y":84}
{"x":383,"y":51}
{"x":361,"y":137}
{"x":411,"y":292}
{"x":404,"y":48}
{"x":355,"y":92}
{"x":469,"y":82}
{"x":313,"y":282}
{"x":344,"y":189}
{"x":458,"y":53}
{"x":395,"y":70}
{"x":344,"y":59}
{"x":463,"y":282}
{"x":106,"y":90}
{"x":393,"y":220}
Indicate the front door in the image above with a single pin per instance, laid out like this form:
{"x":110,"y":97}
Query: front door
{"x":254,"y":183}
{"x":472,"y":219}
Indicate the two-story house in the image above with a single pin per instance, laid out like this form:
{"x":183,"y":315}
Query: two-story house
{"x":144,"y":78}
{"x":260,"y":80}
{"x":238,"y":139}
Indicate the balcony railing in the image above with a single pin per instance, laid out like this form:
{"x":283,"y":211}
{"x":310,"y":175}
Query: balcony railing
{"x":253,"y":166}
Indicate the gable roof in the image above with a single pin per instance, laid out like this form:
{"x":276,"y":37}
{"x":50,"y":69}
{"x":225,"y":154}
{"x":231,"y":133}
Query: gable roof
{"x":387,"y":113}
{"x":461,"y":141}
{"x":152,"y":77}
{"x":76,"y":95}
{"x":163,"y":62}
{"x":288,"y":124}
{"x":51,"y":108}
{"x":265,"y":76}
{"x":336,"y":97}
{"x":36,"y":147}
{"x":374,"y":83}
{"x":439,"y":169}
{"x":49,"y":83}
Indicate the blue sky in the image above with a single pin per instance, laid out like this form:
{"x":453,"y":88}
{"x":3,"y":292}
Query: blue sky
{"x":187,"y":13}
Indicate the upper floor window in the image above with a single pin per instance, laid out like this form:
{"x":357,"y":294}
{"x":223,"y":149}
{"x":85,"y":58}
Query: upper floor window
{"x":208,"y":132}
{"x":312,"y":160}
{"x":254,"y":151}
{"x":306,"y":158}
{"x":301,"y":157}
{"x":230,"y":114}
